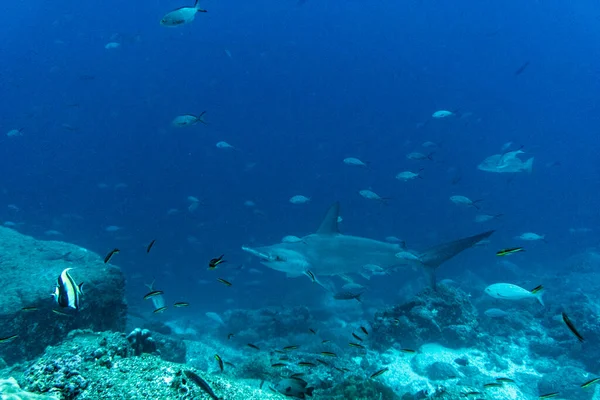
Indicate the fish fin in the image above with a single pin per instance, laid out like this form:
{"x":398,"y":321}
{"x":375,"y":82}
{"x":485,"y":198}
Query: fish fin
{"x":80,"y":287}
{"x":437,"y":255}
{"x":309,"y":391}
{"x":538,"y":292}
{"x":528,"y":165}
{"x":201,"y":10}
{"x":403,"y":245}
{"x":358,"y":298}
{"x":432,"y":279}
{"x":329,"y":225}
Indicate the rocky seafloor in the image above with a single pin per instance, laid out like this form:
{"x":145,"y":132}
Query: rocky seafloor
{"x":436,"y":345}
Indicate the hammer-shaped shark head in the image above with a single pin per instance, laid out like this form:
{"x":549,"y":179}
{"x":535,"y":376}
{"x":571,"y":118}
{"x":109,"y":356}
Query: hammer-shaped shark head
{"x":280,"y":258}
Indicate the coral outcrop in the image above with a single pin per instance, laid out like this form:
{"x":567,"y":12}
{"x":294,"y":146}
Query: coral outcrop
{"x":29,"y":270}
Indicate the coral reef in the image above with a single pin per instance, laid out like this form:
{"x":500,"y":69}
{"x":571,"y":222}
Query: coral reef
{"x":445,"y":316}
{"x":95,"y":366}
{"x":141,"y":341}
{"x":29,"y":270}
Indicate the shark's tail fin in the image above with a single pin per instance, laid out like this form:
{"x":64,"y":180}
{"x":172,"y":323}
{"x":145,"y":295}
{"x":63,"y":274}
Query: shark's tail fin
{"x":437,"y":255}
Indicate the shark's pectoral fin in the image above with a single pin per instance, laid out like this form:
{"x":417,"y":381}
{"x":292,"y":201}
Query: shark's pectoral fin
{"x":436,"y":256}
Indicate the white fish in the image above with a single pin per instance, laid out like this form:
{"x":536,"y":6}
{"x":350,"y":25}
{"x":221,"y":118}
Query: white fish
{"x":419,"y":156}
{"x":354,"y":161}
{"x":579,"y":230}
{"x":408,"y":175}
{"x":429,"y":144}
{"x":486,"y":217}
{"x":112,"y":45}
{"x":112,"y":228}
{"x":530,"y":236}
{"x":339,"y":219}
{"x":224,"y":145}
{"x":299,"y":199}
{"x":193,"y":199}
{"x":508,"y":291}
{"x":181,"y":16}
{"x":506,"y":163}
{"x":249,"y":203}
{"x":496,"y":313}
{"x":442,"y":114}
{"x":371,"y":195}
{"x":407,"y":255}
{"x":15,"y":132}
{"x":291,"y":239}
{"x":464,"y":201}
{"x":53,"y":232}
{"x":181,"y":121}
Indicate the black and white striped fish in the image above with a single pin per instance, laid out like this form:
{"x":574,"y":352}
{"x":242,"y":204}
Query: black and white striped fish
{"x":67,"y":292}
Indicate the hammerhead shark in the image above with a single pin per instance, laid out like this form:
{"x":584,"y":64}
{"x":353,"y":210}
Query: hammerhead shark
{"x":329,"y":252}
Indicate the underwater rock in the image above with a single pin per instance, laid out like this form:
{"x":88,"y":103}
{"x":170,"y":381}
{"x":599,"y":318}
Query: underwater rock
{"x":266,"y":322}
{"x":141,"y":341}
{"x":566,"y":380}
{"x":439,"y":371}
{"x":29,"y":269}
{"x":10,"y":390}
{"x":170,"y":348}
{"x":445,"y":316}
{"x":77,"y":370}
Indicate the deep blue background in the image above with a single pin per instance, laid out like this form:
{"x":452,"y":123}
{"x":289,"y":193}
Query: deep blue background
{"x":305,"y":87}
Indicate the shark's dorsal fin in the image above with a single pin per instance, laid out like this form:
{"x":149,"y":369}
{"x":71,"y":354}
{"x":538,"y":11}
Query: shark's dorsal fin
{"x":329,"y":226}
{"x":435,"y":256}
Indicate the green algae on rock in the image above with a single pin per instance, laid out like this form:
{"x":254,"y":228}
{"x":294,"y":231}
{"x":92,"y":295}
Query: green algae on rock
{"x":29,"y":269}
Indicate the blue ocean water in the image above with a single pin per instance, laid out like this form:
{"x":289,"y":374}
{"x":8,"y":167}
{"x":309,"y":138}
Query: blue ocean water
{"x":296,"y":88}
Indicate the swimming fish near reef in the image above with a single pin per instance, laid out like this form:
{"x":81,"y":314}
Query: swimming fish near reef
{"x":253,"y":346}
{"x":224,"y":282}
{"x":149,"y":247}
{"x":67,"y":292}
{"x":181,"y":16}
{"x":159,"y":310}
{"x":153,"y":293}
{"x":508,"y":291}
{"x":495,"y":313}
{"x":378,"y":373}
{"x":8,"y":338}
{"x":507,"y":252}
{"x":328,"y":354}
{"x":184,"y":120}
{"x":28,"y":309}
{"x":181,"y":304}
{"x":572,"y":328}
{"x":362,"y":328}
{"x":590,"y":383}
{"x":219,"y":361}
{"x":110,"y":255}
{"x":214,"y":263}
{"x":294,"y":387}
{"x":506,"y":163}
{"x":192,"y":376}
{"x":354,"y":161}
{"x":548,"y":395}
